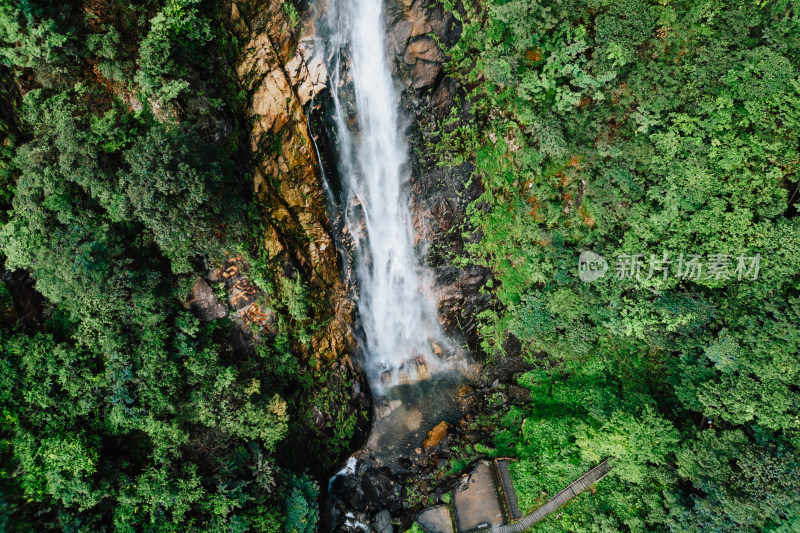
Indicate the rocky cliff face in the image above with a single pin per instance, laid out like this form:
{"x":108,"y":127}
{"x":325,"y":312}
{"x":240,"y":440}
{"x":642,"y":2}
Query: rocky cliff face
{"x":286,"y":79}
{"x":374,"y":495}
{"x":281,"y":71}
{"x":440,"y":196}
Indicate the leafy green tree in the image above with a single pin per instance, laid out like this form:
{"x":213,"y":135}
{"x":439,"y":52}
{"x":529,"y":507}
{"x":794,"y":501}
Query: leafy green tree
{"x":633,"y":443}
{"x":746,"y":486}
{"x":31,"y":36}
{"x":302,"y":510}
{"x":173,"y":187}
{"x":179,"y":29}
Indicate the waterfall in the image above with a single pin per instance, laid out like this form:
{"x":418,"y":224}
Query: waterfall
{"x":398,"y":315}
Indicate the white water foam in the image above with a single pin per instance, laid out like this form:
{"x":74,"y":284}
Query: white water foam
{"x":398,"y":313}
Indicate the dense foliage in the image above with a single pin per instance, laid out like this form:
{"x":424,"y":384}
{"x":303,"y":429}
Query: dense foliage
{"x":651,"y":134}
{"x":122,"y":411}
{"x":662,"y":136}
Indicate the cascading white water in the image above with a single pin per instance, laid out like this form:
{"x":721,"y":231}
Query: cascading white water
{"x":398,"y":315}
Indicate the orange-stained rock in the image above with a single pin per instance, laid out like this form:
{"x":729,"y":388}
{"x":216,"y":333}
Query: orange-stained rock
{"x":436,"y":435}
{"x":282,"y":70}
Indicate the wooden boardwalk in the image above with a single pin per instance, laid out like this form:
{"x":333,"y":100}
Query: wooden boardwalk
{"x":573,"y":489}
{"x":476,"y":510}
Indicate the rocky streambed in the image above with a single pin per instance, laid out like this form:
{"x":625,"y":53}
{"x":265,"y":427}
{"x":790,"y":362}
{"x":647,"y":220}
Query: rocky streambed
{"x":414,"y":461}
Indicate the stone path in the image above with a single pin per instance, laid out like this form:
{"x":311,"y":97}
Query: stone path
{"x":475,"y":500}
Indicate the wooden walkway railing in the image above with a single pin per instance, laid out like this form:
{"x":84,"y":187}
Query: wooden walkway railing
{"x":507,"y":489}
{"x":576,"y":487}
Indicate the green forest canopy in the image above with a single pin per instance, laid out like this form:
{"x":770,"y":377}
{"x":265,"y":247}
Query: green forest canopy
{"x":121,"y":410}
{"x":628,"y":128}
{"x":642,"y":129}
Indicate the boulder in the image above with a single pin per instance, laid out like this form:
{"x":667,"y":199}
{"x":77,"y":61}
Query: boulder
{"x":436,"y":435}
{"x":427,"y":58}
{"x":362,"y":468}
{"x":318,"y":417}
{"x":474,"y":436}
{"x":505,"y":369}
{"x":423,"y":372}
{"x":376,"y":484}
{"x":236,"y":20}
{"x":518,"y":395}
{"x":348,"y":490}
{"x":398,"y":35}
{"x":204,"y":302}
{"x":383,"y":522}
{"x":424,"y":48}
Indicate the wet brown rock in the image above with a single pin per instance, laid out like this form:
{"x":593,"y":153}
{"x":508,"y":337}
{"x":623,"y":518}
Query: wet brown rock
{"x":464,"y":391}
{"x":398,"y":35}
{"x":474,"y":436}
{"x":348,"y":490}
{"x":436,"y":435}
{"x":424,"y":74}
{"x":460,"y":300}
{"x":443,"y":95}
{"x":424,"y":48}
{"x":507,"y":368}
{"x":236,"y":20}
{"x":518,"y":395}
{"x":376,"y":484}
{"x":423,"y":372}
{"x":413,"y":23}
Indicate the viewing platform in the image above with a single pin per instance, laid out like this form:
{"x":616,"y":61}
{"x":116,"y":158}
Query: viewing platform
{"x":485,"y":501}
